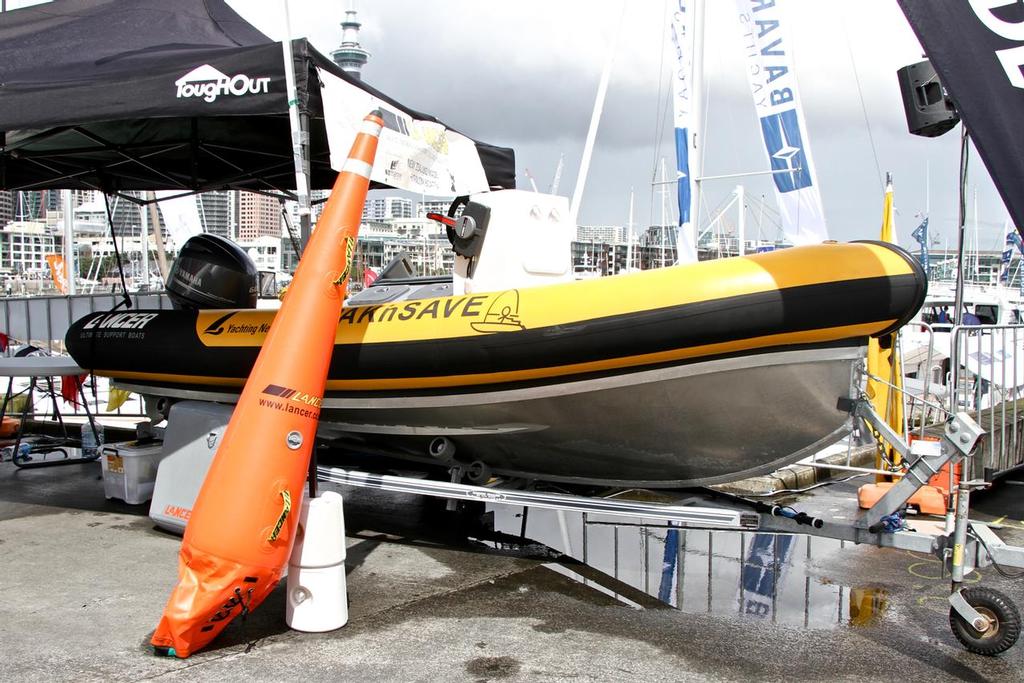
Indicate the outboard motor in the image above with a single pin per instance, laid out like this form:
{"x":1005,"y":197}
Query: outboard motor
{"x":212,"y":272}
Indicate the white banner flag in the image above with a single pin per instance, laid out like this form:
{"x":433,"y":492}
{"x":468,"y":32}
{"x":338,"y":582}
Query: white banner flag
{"x":773,"y":84}
{"x":415,"y":155}
{"x":684,"y":97}
{"x":180,"y":213}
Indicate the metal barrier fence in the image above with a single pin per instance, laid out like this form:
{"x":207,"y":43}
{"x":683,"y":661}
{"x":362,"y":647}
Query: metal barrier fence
{"x":43,"y":321}
{"x":987,"y":380}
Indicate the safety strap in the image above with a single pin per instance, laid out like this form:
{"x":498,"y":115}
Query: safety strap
{"x":285,"y":509}
{"x":350,"y":249}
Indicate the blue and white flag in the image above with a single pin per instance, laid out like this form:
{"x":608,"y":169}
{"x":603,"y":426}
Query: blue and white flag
{"x":767,"y":43}
{"x":920,"y":234}
{"x":1012,"y":240}
{"x":684,"y":97}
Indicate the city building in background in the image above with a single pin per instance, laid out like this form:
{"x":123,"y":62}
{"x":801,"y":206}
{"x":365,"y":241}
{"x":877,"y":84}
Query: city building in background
{"x":24,"y":246}
{"x":218,"y":213}
{"x":440,"y":206}
{"x":6,"y":207}
{"x":383,"y":208}
{"x":264,"y":251}
{"x":609,"y":234}
{"x":258,"y":216}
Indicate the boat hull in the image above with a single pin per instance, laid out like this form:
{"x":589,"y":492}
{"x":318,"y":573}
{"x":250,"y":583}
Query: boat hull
{"x":694,"y":424}
{"x":689,"y":375}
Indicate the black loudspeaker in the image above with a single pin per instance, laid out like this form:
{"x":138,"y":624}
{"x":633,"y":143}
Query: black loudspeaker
{"x":929,"y":110}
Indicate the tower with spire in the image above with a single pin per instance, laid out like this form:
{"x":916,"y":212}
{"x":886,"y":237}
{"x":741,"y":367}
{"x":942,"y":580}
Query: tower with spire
{"x":350,"y":55}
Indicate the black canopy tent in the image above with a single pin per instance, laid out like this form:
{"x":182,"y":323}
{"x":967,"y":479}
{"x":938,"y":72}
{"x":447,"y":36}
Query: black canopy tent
{"x":119,"y":95}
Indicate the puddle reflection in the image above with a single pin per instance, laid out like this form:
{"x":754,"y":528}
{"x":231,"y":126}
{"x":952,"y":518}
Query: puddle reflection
{"x":754,"y":575}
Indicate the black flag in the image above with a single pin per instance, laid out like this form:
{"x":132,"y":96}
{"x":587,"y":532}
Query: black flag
{"x":977,"y":48}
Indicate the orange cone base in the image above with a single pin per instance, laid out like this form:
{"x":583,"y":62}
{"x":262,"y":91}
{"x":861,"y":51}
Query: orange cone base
{"x":211,"y":591}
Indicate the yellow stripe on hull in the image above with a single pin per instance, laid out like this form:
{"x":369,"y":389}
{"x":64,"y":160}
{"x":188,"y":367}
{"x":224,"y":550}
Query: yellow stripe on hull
{"x":709,"y":350}
{"x":569,"y":303}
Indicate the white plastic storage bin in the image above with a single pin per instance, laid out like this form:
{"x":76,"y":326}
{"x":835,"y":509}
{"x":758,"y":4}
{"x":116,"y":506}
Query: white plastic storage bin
{"x":129,"y":470}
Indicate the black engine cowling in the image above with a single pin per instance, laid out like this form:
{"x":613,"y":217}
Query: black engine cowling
{"x":212,"y":272}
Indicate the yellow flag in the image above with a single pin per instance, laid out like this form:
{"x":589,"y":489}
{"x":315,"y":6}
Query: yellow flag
{"x":117,"y":398}
{"x":883,"y":361}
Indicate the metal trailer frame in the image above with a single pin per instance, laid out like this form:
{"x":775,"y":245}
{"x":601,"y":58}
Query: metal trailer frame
{"x":959,"y":543}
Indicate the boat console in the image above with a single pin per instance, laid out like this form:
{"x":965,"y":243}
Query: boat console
{"x":512,"y":239}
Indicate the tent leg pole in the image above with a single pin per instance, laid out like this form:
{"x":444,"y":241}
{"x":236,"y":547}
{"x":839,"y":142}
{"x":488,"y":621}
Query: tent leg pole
{"x":298,"y":122}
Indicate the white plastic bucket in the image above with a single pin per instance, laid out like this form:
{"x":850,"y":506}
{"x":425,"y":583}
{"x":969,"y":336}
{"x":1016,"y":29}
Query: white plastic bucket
{"x":316,"y":570}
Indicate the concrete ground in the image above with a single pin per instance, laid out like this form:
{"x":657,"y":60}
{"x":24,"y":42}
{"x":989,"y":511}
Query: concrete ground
{"x":84,"y":581}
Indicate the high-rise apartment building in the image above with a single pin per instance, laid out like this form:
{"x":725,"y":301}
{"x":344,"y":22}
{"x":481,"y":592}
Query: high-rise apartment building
{"x":433,"y":206}
{"x":6,"y":207}
{"x":216,"y":212}
{"x":258,"y":216}
{"x":383,"y":208}
{"x":606,"y":234}
{"x":127,"y":215}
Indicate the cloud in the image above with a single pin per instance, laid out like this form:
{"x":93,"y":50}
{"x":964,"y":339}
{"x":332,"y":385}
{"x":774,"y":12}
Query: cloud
{"x":524,"y":75}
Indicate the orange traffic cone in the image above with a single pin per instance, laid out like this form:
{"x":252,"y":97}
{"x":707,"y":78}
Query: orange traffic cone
{"x":242,"y":527}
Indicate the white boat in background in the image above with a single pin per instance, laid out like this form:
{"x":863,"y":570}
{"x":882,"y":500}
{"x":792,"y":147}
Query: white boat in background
{"x":992,"y":360}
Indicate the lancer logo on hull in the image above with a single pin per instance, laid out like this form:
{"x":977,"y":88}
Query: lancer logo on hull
{"x":293,"y":395}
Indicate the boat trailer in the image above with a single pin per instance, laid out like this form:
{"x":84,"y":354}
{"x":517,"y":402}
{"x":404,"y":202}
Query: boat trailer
{"x":984,"y":620}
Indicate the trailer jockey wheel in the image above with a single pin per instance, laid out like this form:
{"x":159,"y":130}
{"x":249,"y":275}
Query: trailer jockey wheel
{"x":478,"y":473}
{"x":998,"y":609}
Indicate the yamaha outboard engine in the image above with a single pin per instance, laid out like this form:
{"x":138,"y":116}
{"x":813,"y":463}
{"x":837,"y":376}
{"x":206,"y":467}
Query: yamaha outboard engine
{"x":212,"y":272}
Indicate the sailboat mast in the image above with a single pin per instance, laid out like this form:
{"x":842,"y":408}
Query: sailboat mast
{"x":558,"y":174}
{"x":70,"y":262}
{"x":629,"y":234}
{"x":977,"y":241}
{"x":664,"y":217}
{"x":697,"y":162}
{"x":144,"y":244}
{"x":927,"y":188}
{"x":300,"y":152}
{"x":595,"y":119}
{"x":740,"y":221}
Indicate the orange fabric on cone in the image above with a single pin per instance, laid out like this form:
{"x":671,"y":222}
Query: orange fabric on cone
{"x":242,"y":526}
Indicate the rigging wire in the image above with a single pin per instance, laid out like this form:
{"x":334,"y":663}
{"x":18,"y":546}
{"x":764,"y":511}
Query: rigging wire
{"x":126,"y":301}
{"x":863,"y":107}
{"x":291,"y":232}
{"x":660,"y":110}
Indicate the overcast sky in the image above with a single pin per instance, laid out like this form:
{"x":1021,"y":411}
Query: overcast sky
{"x":524,"y":74}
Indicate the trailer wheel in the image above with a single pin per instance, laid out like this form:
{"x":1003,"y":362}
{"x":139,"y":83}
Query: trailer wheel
{"x":1000,"y":610}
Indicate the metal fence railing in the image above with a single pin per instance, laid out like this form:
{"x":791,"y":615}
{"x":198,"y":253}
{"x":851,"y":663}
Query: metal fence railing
{"x":42,"y":322}
{"x":987,"y":380}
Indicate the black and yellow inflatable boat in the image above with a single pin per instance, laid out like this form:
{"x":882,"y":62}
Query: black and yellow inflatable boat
{"x":692,"y":374}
